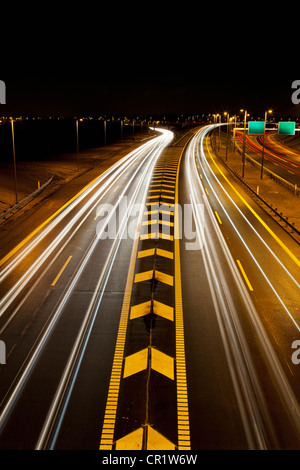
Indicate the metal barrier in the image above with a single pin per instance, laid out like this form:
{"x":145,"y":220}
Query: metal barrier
{"x":35,"y":193}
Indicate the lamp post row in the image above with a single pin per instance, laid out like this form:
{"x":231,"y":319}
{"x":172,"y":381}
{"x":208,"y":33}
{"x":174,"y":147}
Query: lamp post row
{"x":78,"y":152}
{"x":244,"y":139}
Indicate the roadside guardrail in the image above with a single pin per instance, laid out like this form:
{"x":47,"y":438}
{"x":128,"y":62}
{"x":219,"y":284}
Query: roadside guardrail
{"x":21,"y":203}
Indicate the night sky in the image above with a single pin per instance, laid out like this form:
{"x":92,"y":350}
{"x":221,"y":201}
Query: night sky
{"x":153,"y":59}
{"x":151,"y":94}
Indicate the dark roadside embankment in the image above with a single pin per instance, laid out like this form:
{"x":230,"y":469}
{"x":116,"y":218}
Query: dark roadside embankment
{"x":275,"y":198}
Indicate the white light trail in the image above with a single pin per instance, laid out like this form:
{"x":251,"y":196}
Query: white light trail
{"x":115,"y":172}
{"x":252,"y":228}
{"x":157,"y":147}
{"x":254,"y":411}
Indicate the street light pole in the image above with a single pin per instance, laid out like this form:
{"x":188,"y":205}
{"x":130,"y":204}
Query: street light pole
{"x":227,"y":138}
{"x":235,"y":123}
{"x":77,"y":144}
{"x":263,"y":150}
{"x":244,"y":142}
{"x":14,"y":155}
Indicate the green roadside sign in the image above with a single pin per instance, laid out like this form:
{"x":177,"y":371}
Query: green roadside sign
{"x":286,"y":128}
{"x":256,"y":127}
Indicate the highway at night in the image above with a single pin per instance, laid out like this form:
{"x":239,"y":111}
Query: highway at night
{"x":156,"y":309}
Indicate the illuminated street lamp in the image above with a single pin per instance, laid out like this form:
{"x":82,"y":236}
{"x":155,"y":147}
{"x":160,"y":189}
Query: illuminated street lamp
{"x":263,"y":151}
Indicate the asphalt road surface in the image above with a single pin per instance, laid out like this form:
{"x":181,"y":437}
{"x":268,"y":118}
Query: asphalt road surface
{"x":156,"y":310}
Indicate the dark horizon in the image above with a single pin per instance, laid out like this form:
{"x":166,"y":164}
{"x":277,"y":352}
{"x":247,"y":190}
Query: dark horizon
{"x":141,"y":95}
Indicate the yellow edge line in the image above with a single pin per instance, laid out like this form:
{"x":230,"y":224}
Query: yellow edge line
{"x":245,"y":275}
{"x":179,"y":326}
{"x":61,"y":271}
{"x":285,"y":248}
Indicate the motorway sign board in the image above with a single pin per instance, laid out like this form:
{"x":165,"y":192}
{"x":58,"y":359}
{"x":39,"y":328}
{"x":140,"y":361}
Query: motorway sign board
{"x":286,"y":128}
{"x":256,"y":127}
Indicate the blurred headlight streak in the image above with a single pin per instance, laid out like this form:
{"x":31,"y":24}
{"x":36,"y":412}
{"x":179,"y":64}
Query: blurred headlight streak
{"x":105,"y":182}
{"x":250,"y":397}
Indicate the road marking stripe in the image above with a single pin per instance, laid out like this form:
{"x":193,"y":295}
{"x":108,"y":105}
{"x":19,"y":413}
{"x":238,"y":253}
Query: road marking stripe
{"x":163,"y":310}
{"x":181,"y":384}
{"x":136,"y":363}
{"x":218,"y":217}
{"x":61,"y":271}
{"x":167,"y":223}
{"x":156,"y":203}
{"x":145,"y":253}
{"x":152,"y":438}
{"x":159,"y":252}
{"x":149,"y":222}
{"x":148,"y":236}
{"x":245,"y":275}
{"x":158,"y":361}
{"x":165,"y":278}
{"x":166,"y":212}
{"x":166,"y":236}
{"x":145,"y":276}
{"x":165,"y":253}
{"x":140,"y":310}
{"x":151,"y":212}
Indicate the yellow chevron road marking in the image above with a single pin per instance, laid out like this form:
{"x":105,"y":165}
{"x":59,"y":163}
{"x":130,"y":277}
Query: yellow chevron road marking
{"x":145,"y":253}
{"x":157,"y":360}
{"x":153,"y":439}
{"x":158,"y":275}
{"x":165,"y":278}
{"x":159,"y":252}
{"x":159,"y":309}
{"x":136,"y":363}
{"x":145,"y":276}
{"x":165,"y":253}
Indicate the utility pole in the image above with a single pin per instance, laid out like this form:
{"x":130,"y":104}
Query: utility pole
{"x":263,"y":150}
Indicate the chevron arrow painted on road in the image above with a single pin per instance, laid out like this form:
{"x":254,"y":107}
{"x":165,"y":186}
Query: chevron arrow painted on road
{"x":154,"y":274}
{"x":146,"y":435}
{"x":159,"y":309}
{"x":157,"y":360}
